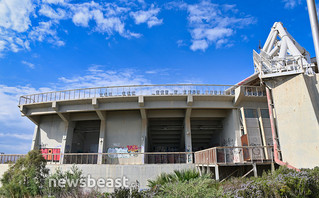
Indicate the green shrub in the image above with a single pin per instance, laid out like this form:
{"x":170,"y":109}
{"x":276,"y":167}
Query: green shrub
{"x":70,"y":189}
{"x":130,"y":192}
{"x":26,"y":177}
{"x":283,"y":182}
{"x":197,"y":187}
{"x":184,"y":175}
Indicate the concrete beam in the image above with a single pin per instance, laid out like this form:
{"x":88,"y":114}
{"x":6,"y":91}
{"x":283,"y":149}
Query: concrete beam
{"x":63,"y":116}
{"x":239,"y":95}
{"x":34,"y":119}
{"x":95,"y":103}
{"x":101,"y":114}
{"x":143,"y":114}
{"x":23,"y":109}
{"x":141,"y":101}
{"x":190,"y":100}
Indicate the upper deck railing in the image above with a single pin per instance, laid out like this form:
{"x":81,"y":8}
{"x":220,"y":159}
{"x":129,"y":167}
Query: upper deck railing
{"x":132,"y":90}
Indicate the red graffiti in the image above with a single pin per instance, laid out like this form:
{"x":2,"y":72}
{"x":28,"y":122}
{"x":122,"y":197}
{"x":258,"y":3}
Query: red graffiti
{"x":51,"y":154}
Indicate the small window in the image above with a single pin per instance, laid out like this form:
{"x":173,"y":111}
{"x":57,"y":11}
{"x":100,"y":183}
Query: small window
{"x":250,"y":113}
{"x":264,"y":113}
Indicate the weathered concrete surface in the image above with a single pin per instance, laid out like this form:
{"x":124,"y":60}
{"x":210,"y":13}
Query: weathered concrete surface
{"x":296,"y":109}
{"x":133,"y":173}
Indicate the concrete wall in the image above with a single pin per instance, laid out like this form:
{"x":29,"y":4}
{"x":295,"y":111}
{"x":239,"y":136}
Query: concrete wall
{"x":51,"y":131}
{"x":124,"y":133}
{"x":133,"y":173}
{"x":231,"y":133}
{"x":297,"y":119}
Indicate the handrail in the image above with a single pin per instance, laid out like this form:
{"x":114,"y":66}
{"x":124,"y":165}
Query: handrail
{"x":129,"y":90}
{"x":233,"y":155}
{"x":105,"y":158}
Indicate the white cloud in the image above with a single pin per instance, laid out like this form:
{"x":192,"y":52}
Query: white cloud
{"x":97,"y":77}
{"x":82,"y":17}
{"x":30,"y":65}
{"x":17,"y":136}
{"x":49,"y":12}
{"x":46,"y":32}
{"x":14,"y":14}
{"x":290,"y":4}
{"x":24,"y":21}
{"x":54,"y":1}
{"x":147,"y":16}
{"x":199,"y":45}
{"x":211,"y":23}
{"x":180,"y":43}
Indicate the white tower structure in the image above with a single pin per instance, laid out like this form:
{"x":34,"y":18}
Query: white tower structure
{"x":281,"y":55}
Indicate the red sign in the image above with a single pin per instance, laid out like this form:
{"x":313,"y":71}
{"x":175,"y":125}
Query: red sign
{"x":51,"y":154}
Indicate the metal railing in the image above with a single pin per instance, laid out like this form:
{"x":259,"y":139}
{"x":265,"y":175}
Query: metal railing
{"x":124,"y":91}
{"x":234,"y":155}
{"x":107,"y":158}
{"x":254,"y":91}
{"x":267,"y":65}
{"x":10,"y":158}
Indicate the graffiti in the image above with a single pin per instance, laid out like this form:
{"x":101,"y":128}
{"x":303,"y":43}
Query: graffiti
{"x":132,"y":148}
{"x":228,"y":142}
{"x":118,"y":150}
{"x":51,"y":154}
{"x":230,"y":154}
{"x":43,"y":145}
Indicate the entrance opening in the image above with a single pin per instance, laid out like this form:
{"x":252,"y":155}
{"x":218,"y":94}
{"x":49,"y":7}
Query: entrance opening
{"x":206,"y":132}
{"x":166,"y":135}
{"x":86,"y":137}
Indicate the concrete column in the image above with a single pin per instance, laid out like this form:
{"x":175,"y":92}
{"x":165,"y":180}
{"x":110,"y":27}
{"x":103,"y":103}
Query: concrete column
{"x":101,"y":141}
{"x":255,"y":170}
{"x":67,"y":139}
{"x":217,"y":172}
{"x":262,"y":132}
{"x":188,"y":136}
{"x":242,"y":112}
{"x":144,"y":142}
{"x":35,"y":140}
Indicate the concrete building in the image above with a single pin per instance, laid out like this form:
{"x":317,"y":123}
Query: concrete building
{"x":140,"y":131}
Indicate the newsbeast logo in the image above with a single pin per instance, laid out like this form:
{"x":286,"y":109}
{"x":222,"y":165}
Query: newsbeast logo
{"x":89,"y":182}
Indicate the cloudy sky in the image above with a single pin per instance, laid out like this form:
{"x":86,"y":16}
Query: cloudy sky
{"x":63,"y":44}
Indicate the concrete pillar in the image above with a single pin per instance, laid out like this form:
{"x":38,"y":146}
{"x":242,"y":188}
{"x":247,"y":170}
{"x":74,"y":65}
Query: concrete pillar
{"x":144,"y":140}
{"x":255,"y":170}
{"x":261,"y":124}
{"x":188,"y":136}
{"x":101,"y":141}
{"x":242,"y":112}
{"x":217,"y":173}
{"x":67,"y":139}
{"x":208,"y":170}
{"x":35,"y":140}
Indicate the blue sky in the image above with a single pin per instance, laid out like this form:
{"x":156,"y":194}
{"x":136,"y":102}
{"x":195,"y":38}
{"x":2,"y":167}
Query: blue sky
{"x":63,"y":44}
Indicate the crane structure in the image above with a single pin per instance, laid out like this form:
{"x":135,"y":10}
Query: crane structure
{"x":281,"y":55}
